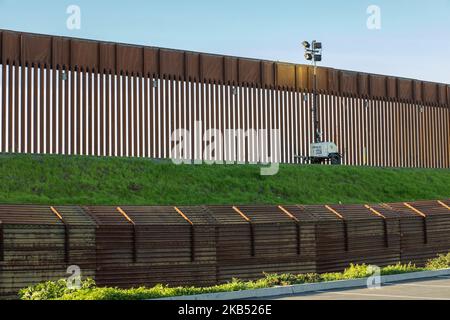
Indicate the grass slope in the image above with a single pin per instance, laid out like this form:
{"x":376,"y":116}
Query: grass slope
{"x":58,"y":180}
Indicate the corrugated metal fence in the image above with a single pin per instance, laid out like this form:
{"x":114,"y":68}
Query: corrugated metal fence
{"x":142,"y":246}
{"x":77,"y":97}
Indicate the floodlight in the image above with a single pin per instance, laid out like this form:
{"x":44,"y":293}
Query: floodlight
{"x":314,"y":55}
{"x":309,"y":56}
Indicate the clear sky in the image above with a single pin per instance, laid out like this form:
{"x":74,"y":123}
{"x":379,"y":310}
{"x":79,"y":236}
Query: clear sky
{"x":414,"y":39}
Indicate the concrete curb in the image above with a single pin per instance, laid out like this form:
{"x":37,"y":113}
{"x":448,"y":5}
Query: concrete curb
{"x":309,"y":287}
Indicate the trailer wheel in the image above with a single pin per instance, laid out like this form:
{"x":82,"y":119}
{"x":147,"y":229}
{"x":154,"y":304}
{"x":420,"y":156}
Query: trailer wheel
{"x":336,"y":159}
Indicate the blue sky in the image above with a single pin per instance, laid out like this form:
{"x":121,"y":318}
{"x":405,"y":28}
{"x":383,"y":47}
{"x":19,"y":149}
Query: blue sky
{"x":414,"y":40}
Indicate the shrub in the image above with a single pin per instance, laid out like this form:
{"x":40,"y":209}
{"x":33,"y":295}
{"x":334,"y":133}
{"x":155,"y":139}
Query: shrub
{"x":325,"y":277}
{"x":441,"y":262}
{"x":57,"y":290}
{"x":356,"y":271}
{"x":400,"y":268}
{"x":52,"y":290}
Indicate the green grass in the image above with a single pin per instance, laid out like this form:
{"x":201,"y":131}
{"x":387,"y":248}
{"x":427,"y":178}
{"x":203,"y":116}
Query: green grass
{"x":60,"y":180}
{"x":58,"y":290}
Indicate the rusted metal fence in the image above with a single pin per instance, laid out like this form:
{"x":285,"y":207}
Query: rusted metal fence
{"x":77,"y":97}
{"x":135,"y":246}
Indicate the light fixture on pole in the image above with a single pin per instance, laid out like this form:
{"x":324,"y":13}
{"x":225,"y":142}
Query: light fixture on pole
{"x":313,"y":53}
{"x":319,"y":151}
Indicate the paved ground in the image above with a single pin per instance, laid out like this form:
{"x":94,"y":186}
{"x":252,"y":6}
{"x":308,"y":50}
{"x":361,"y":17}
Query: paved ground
{"x":430,"y":289}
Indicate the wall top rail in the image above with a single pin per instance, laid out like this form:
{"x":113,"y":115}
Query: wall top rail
{"x":20,"y":48}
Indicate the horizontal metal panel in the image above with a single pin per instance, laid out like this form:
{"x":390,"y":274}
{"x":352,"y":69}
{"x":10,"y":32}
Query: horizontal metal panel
{"x":36,"y":49}
{"x":448,"y":97}
{"x":250,"y":71}
{"x":333,"y":81}
{"x":151,"y":61}
{"x":429,"y":208}
{"x":28,"y":215}
{"x":108,"y":57}
{"x":391,"y":87}
{"x":85,"y":54}
{"x":268,"y":73}
{"x":285,"y":75}
{"x":61,"y":52}
{"x":355,"y":212}
{"x":265,"y":214}
{"x":69,"y":52}
{"x":377,"y":86}
{"x":10,"y":47}
{"x":192,"y":65}
{"x":442,"y":89}
{"x":418,"y":90}
{"x":129,"y":59}
{"x":322,"y":79}
{"x":198,"y":215}
{"x":231,"y":69}
{"x":430,"y":93}
{"x":211,"y":67}
{"x":106,"y":216}
{"x":300,"y":213}
{"x":405,"y":89}
{"x":349,"y":83}
{"x":319,"y":212}
{"x":225,"y":215}
{"x":363,"y":84}
{"x":163,"y":216}
{"x":303,"y":78}
{"x":171,"y":63}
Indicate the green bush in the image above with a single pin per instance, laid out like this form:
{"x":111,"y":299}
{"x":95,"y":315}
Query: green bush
{"x":441,"y":262}
{"x":58,"y":290}
{"x":53,"y":290}
{"x":272,"y":280}
{"x":356,"y":271}
{"x":400,"y":268}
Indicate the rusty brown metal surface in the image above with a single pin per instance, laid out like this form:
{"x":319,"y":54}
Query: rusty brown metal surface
{"x":249,"y":243}
{"x":38,"y":246}
{"x":425,"y":230}
{"x":130,"y":246}
{"x":115,"y":99}
{"x":156,"y":248}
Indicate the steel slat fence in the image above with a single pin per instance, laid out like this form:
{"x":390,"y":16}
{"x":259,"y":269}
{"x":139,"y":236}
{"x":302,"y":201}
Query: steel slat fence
{"x":51,"y":107}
